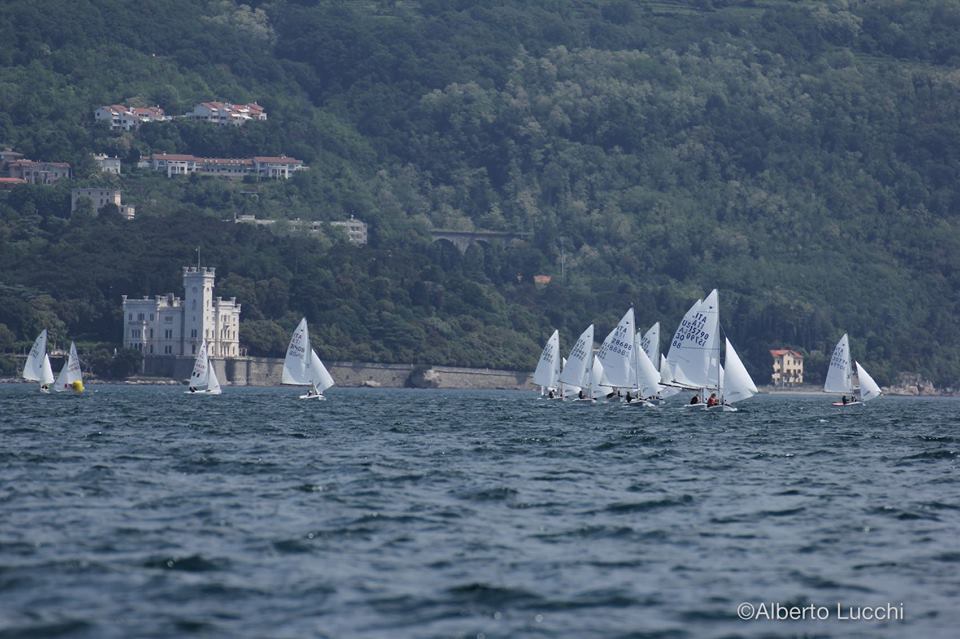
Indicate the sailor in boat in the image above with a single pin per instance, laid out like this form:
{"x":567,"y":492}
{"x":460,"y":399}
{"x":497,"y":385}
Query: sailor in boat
{"x":550,"y":394}
{"x":844,"y":399}
{"x":580,"y":394}
{"x":629,"y":397}
{"x":193,"y":389}
{"x":695,"y":400}
{"x":712,"y":400}
{"x":44,"y":388}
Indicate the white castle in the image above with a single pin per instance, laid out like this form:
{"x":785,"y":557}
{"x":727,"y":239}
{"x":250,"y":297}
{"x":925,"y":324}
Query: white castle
{"x":167,"y":325}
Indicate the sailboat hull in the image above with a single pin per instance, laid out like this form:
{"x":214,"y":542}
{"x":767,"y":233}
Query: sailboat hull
{"x":318,"y":397}
{"x":841,"y":404}
{"x":203,"y":392}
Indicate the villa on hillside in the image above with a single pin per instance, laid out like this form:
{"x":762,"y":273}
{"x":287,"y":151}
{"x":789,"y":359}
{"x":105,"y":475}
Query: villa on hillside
{"x":99,"y":198}
{"x":125,"y":118}
{"x":787,"y":367}
{"x":355,"y":230}
{"x":224,"y":113}
{"x":270,"y":167}
{"x":38,"y":172}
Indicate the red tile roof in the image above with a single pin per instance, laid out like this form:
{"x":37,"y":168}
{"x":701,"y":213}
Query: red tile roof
{"x":780,"y":352}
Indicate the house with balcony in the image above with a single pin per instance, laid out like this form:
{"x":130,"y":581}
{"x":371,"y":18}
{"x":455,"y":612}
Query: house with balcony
{"x":226,"y":113}
{"x":787,"y":367}
{"x":275,"y":168}
{"x":120,"y":117}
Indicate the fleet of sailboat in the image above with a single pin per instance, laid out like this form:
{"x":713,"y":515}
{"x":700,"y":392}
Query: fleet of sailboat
{"x":627,"y":367}
{"x":849,"y":379}
{"x":302,"y":365}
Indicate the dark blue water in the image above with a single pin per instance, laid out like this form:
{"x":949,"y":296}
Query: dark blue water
{"x":142,"y":512}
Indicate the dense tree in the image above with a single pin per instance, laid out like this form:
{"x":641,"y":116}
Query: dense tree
{"x":800,"y":157}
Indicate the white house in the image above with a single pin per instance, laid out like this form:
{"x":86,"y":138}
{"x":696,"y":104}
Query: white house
{"x":107,"y":164}
{"x":167,"y":325}
{"x":224,"y":113}
{"x":274,"y":168}
{"x":123,"y":118}
{"x":355,"y":229}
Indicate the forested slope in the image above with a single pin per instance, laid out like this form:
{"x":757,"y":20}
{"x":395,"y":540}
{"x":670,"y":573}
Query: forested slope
{"x":800,"y":157}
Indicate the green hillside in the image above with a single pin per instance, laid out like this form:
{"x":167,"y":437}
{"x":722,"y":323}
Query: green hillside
{"x":800,"y":157}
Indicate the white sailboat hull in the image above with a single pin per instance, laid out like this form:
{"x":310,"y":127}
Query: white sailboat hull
{"x":312,"y":396}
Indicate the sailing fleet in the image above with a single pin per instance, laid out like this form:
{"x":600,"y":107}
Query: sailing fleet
{"x":629,"y":367}
{"x":301,"y":367}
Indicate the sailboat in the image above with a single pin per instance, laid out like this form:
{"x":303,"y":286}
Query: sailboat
{"x":70,"y":377}
{"x":579,"y":364}
{"x":616,"y":354}
{"x":645,"y":377}
{"x":37,"y":367}
{"x":547,"y":375}
{"x":203,"y":380}
{"x":566,"y":390}
{"x":693,"y":362}
{"x":735,"y":382}
{"x":844,"y":378}
{"x":302,"y":366}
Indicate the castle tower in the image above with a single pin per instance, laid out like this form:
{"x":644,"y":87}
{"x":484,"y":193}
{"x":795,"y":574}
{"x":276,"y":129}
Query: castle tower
{"x":199,"y":321}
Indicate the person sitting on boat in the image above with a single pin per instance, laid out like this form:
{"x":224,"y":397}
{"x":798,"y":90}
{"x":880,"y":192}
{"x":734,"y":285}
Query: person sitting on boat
{"x":695,"y":400}
{"x":580,"y":394}
{"x":629,"y":397}
{"x":44,"y":387}
{"x":844,"y":399}
{"x":712,"y":400}
{"x":193,"y":389}
{"x":551,"y":395}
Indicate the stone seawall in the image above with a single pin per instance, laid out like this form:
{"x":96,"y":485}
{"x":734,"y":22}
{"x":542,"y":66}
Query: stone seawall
{"x":266,"y":371}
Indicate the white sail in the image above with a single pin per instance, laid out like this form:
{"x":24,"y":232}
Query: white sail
{"x":46,"y":372}
{"x":201,"y":366}
{"x":840,"y":372}
{"x":868,"y":388}
{"x":694,"y":355}
{"x":318,"y":374}
{"x":597,"y":381}
{"x":566,"y":390}
{"x":70,"y":373}
{"x":666,"y":374}
{"x":578,"y":362}
{"x":33,"y":367}
{"x":297,"y":361}
{"x":645,"y":376}
{"x":548,"y":368}
{"x":213,"y":384}
{"x":616,"y":352}
{"x":650,"y":342}
{"x":736,"y":384}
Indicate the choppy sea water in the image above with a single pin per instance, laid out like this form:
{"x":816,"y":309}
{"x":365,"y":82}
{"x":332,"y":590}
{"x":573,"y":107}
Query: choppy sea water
{"x":141,"y":512}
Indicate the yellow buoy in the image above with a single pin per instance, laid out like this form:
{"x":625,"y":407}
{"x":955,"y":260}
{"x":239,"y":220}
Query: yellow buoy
{"x":77,"y":386}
